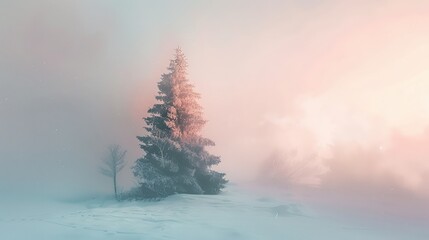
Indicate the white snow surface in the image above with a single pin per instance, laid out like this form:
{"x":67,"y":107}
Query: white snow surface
{"x":234,"y":214}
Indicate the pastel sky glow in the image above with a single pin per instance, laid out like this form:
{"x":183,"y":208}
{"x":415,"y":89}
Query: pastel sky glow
{"x":339,"y":87}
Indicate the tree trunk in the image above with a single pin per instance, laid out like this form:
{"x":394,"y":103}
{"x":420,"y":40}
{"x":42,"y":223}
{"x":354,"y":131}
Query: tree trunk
{"x":114,"y":186}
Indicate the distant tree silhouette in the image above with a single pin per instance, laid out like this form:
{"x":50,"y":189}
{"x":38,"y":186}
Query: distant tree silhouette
{"x":113,"y":163}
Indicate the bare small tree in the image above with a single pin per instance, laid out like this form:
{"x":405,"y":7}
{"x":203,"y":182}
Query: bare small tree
{"x":113,"y":163}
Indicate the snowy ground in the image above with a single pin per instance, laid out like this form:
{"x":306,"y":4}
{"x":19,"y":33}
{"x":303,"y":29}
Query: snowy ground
{"x":234,"y":214}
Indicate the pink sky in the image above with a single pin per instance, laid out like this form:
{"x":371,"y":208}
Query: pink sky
{"x":286,"y":76}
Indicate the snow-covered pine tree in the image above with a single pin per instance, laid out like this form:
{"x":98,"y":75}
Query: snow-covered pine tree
{"x":176,"y":159}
